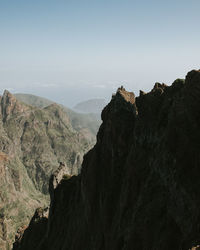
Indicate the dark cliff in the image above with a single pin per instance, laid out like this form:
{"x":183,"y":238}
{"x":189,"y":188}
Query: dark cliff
{"x":139,"y":186}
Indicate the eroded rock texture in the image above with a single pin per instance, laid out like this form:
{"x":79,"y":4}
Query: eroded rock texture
{"x":32,"y":143}
{"x":139,"y":186}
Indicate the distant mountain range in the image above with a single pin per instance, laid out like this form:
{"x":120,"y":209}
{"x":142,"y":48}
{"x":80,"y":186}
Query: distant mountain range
{"x":88,"y":122}
{"x":33,"y":100}
{"x":91,"y":106}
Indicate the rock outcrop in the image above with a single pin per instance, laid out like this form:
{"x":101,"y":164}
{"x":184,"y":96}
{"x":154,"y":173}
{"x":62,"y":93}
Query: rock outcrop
{"x":38,"y":224}
{"x":10,"y":106}
{"x":139,"y":185}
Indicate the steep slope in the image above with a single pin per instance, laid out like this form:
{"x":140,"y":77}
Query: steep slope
{"x":139,"y":185}
{"x":32,"y":143}
{"x":33,"y":100}
{"x":88,"y":124}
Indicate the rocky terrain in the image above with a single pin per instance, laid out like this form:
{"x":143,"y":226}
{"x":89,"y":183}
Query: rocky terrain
{"x":85,"y":123}
{"x":33,"y":100}
{"x":139,"y":185}
{"x":32,"y":143}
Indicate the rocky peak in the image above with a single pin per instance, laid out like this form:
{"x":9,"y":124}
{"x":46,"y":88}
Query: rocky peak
{"x":128,"y":96}
{"x":193,"y":79}
{"x":193,"y":74}
{"x":10,"y":105}
{"x":121,"y":103}
{"x":122,"y":93}
{"x":40,"y":213}
{"x":57,"y":176}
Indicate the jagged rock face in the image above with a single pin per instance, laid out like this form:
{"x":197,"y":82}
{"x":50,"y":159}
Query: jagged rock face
{"x":38,"y":224}
{"x":139,"y":185}
{"x":10,"y":106}
{"x":32,"y":143}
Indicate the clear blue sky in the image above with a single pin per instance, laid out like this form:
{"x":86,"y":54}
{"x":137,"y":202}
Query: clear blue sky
{"x":75,"y":50}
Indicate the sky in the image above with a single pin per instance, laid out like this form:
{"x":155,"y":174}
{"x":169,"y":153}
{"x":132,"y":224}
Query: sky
{"x":70,"y":51}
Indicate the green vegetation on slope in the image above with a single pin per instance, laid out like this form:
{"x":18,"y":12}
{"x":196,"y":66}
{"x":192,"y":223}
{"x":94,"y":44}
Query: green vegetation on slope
{"x":87,"y":123}
{"x":33,"y":140}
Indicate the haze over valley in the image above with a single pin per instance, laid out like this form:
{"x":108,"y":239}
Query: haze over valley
{"x":99,"y":125}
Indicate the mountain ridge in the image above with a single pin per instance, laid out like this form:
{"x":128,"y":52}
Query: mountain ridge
{"x":88,"y":122}
{"x":32,"y":143}
{"x":90,"y":106}
{"x":138,"y":188}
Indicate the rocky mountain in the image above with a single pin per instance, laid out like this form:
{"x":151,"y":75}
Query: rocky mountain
{"x":33,"y":100}
{"x":87,"y":123}
{"x":32,"y":143}
{"x":139,"y":185}
{"x":91,"y":106}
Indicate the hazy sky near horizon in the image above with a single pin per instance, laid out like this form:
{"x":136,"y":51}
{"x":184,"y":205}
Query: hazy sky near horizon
{"x":75,"y":50}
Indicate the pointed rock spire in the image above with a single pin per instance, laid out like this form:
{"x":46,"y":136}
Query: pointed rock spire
{"x":10,"y":105}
